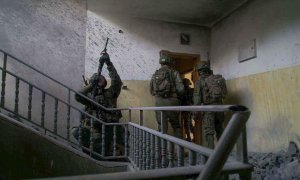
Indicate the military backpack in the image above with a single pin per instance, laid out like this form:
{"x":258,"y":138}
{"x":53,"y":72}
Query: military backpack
{"x":162,"y":83}
{"x":216,"y":86}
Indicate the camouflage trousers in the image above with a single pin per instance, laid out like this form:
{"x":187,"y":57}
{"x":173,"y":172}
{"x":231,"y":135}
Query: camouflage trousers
{"x":168,"y":116}
{"x":187,"y":124}
{"x":212,"y":124}
{"x":97,"y":140}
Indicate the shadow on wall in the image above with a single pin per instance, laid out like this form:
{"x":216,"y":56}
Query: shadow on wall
{"x":273,"y":100}
{"x":275,"y":133}
{"x":26,"y":155}
{"x":135,"y":51}
{"x":238,"y":94}
{"x":138,"y":95}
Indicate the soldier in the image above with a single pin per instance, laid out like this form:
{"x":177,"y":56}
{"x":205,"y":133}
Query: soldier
{"x":210,"y":89}
{"x":106,"y":97}
{"x":187,"y":100}
{"x":166,"y":86}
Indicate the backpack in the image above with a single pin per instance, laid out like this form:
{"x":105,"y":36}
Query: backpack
{"x":161,"y":83}
{"x":216,"y":86}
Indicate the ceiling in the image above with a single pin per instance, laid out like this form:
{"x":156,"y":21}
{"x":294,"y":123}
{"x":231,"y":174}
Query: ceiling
{"x":198,"y":12}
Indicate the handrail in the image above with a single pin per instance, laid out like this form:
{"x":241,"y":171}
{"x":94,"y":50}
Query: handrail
{"x":157,"y":173}
{"x":165,"y":108}
{"x":58,"y":82}
{"x":224,"y":146}
{"x":140,"y":140}
{"x":206,"y":108}
{"x":64,"y":102}
{"x":216,"y":108}
{"x":199,"y":149}
{"x":31,"y":67}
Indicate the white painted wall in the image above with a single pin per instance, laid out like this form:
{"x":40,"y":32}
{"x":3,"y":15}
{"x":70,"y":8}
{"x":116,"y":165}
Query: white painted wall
{"x":49,"y":35}
{"x":135,"y":52}
{"x":275,"y":24}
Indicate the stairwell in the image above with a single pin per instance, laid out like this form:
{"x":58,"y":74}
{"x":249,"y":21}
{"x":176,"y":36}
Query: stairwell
{"x":27,"y":153}
{"x":33,"y":145}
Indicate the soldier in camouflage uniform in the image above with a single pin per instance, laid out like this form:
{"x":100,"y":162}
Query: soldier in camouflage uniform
{"x":210,"y":89}
{"x":166,"y":86}
{"x":187,"y":100}
{"x":106,"y":97}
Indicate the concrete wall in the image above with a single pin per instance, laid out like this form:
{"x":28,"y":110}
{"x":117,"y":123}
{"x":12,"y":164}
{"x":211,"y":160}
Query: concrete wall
{"x":135,"y":52}
{"x":274,"y":24}
{"x":50,"y":35}
{"x":137,"y":95}
{"x":268,"y":84}
{"x":28,"y":155}
{"x":274,"y":99}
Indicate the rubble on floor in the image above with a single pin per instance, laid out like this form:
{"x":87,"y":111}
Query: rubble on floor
{"x":283,"y":165}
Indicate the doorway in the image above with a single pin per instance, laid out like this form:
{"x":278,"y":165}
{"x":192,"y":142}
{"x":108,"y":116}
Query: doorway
{"x":185,"y":64}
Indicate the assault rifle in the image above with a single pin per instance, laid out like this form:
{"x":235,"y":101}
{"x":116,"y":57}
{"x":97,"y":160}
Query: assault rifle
{"x":101,"y":63}
{"x":84,"y":80}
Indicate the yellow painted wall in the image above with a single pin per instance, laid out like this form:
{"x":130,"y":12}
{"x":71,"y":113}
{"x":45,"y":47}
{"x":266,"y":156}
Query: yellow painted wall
{"x":138,"y":95}
{"x":274,"y":100}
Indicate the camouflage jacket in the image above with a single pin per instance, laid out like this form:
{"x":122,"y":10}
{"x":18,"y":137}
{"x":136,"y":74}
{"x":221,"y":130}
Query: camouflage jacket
{"x":208,"y":92}
{"x":107,"y":97}
{"x":177,"y":87}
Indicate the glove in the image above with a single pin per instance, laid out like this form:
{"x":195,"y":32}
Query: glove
{"x":104,"y":58}
{"x":107,"y":59}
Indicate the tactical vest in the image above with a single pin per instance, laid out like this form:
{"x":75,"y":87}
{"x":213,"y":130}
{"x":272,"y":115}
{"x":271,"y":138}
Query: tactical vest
{"x":210,"y":90}
{"x":213,"y":89}
{"x":107,"y":101}
{"x":162,"y":83}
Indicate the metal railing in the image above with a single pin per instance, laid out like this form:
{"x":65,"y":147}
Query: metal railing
{"x":153,"y":150}
{"x":153,"y":153}
{"x":60,"y":106}
{"x":145,"y":148}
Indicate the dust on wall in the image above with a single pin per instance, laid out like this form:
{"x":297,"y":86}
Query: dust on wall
{"x":134,"y":46}
{"x":134,"y":43}
{"x":274,"y":99}
{"x":276,"y":27}
{"x":49,"y":35}
{"x":268,"y":84}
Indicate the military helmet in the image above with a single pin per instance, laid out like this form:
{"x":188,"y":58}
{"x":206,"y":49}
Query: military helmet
{"x":96,"y":79}
{"x":165,"y":60}
{"x":203,"y":65}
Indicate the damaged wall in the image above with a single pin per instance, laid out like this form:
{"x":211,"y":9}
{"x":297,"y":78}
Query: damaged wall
{"x":268,"y":84}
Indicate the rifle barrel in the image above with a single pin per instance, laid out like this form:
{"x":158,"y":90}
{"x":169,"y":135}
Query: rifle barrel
{"x":106,"y":44}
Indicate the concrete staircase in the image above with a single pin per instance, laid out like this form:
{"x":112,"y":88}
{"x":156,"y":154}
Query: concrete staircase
{"x":26,"y":152}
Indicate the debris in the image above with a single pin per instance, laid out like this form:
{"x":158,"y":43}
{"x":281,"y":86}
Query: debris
{"x":276,"y":166}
